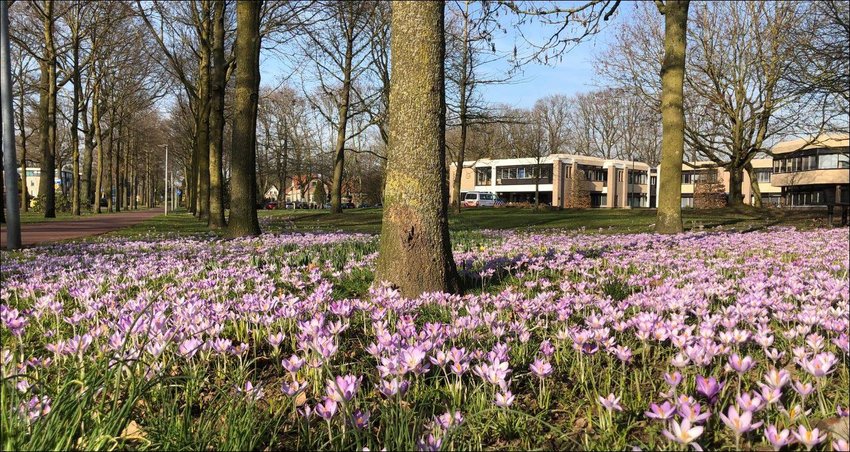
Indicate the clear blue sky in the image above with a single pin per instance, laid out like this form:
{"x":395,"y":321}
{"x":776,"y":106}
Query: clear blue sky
{"x":573,"y":75}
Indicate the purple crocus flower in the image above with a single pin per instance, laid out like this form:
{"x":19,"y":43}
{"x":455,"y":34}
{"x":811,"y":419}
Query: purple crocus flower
{"x":808,"y":438}
{"x":342,"y":388}
{"x":777,"y":439}
{"x":326,"y":409}
{"x":504,"y":400}
{"x":709,"y":387}
{"x":540,"y":368}
{"x":741,"y":365}
{"x":663,"y":412}
{"x":611,"y":403}
{"x":739,"y":421}
{"x":360,"y":419}
{"x":293,"y":363}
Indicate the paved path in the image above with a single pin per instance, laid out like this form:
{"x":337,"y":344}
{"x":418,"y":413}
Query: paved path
{"x":51,"y":231}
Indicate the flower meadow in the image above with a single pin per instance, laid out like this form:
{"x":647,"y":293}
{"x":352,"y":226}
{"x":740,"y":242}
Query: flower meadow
{"x":562,"y":341}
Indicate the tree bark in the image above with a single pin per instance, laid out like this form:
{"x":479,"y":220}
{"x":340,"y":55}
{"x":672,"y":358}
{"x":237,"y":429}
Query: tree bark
{"x":98,"y":137}
{"x":217,"y":81}
{"x":75,"y":113}
{"x":243,"y":192}
{"x":462,"y":110}
{"x":88,"y":153}
{"x":669,"y":217}
{"x":736,"y":182}
{"x":339,"y":154}
{"x":415,"y":250}
{"x":47,"y":112}
{"x":203,"y":144}
{"x":22,"y":118}
{"x":754,"y":185}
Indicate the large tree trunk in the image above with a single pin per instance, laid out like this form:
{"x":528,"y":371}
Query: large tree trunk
{"x":21,"y":117}
{"x":415,"y":252}
{"x":736,"y":183}
{"x":203,"y":144}
{"x":243,"y":196}
{"x":462,"y":110}
{"x":115,"y":178}
{"x":47,"y":111}
{"x":75,"y":115}
{"x":754,"y":185}
{"x":98,"y":137}
{"x":669,"y":219}
{"x":88,"y":152}
{"x":110,"y":170}
{"x":217,"y":81}
{"x":339,"y":154}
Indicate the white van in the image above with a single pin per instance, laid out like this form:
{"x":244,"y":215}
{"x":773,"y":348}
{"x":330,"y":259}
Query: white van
{"x":479,"y":199}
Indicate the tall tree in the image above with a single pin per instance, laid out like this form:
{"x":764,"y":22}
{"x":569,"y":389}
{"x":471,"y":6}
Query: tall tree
{"x":218,"y":71}
{"x":415,"y":250}
{"x":243,"y":194}
{"x":339,"y":43}
{"x":669,"y":214}
{"x":471,"y":49}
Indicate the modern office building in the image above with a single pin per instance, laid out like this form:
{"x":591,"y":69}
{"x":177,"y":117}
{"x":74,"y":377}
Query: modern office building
{"x":63,"y":180}
{"x":802,"y":173}
{"x":695,"y":172}
{"x":813,"y":172}
{"x":562,"y":180}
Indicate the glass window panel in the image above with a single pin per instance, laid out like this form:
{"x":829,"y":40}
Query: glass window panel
{"x":843,"y":161}
{"x":828,"y":161}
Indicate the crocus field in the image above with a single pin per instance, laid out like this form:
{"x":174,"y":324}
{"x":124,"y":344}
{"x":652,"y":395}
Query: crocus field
{"x":563,"y":341}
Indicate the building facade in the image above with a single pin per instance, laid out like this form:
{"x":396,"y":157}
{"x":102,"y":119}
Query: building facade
{"x":694,"y":173}
{"x":562,"y":180}
{"x":801,"y":173}
{"x":813,"y":172}
{"x":62,"y":182}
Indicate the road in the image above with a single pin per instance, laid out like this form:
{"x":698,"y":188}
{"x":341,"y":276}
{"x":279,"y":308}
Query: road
{"x":52,"y":231}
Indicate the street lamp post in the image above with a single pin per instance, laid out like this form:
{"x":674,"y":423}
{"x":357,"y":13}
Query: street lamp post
{"x":13,"y":219}
{"x":165,"y":182}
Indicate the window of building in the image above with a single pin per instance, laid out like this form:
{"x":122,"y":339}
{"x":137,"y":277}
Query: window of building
{"x":844,"y":160}
{"x":482,"y":176}
{"x":828,"y":161}
{"x":598,"y":199}
{"x":763,"y":176}
{"x":637,"y":177}
{"x":687,"y":201}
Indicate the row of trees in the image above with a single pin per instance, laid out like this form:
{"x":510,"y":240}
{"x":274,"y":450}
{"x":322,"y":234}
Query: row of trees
{"x":80,"y":82}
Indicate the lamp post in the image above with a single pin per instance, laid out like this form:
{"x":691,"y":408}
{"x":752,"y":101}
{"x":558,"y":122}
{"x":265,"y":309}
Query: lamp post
{"x":165,"y":182}
{"x":13,"y":218}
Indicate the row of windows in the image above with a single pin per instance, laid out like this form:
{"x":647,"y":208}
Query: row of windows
{"x":763,"y":175}
{"x":637,"y":177}
{"x":694,"y":176}
{"x":524,"y":172}
{"x":822,"y":160}
{"x":812,"y":198}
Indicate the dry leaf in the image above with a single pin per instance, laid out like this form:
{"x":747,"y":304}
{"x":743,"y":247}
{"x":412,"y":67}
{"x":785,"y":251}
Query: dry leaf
{"x":133,"y":431}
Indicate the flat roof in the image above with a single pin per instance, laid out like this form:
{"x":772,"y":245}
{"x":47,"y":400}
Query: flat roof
{"x":825,"y":140}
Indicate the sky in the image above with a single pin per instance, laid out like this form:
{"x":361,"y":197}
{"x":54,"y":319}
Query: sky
{"x":575,"y":74}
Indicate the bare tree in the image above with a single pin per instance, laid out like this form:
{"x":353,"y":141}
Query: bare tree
{"x":470,"y":49}
{"x":339,"y":44}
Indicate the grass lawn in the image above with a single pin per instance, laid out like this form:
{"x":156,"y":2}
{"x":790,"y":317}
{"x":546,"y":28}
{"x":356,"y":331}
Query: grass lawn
{"x":603,"y":221}
{"x":592,"y":220}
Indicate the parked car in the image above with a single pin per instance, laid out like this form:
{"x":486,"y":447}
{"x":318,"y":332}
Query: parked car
{"x":289,"y":205}
{"x":270,"y":205}
{"x":363,"y":205}
{"x":479,"y":199}
{"x":347,"y":205}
